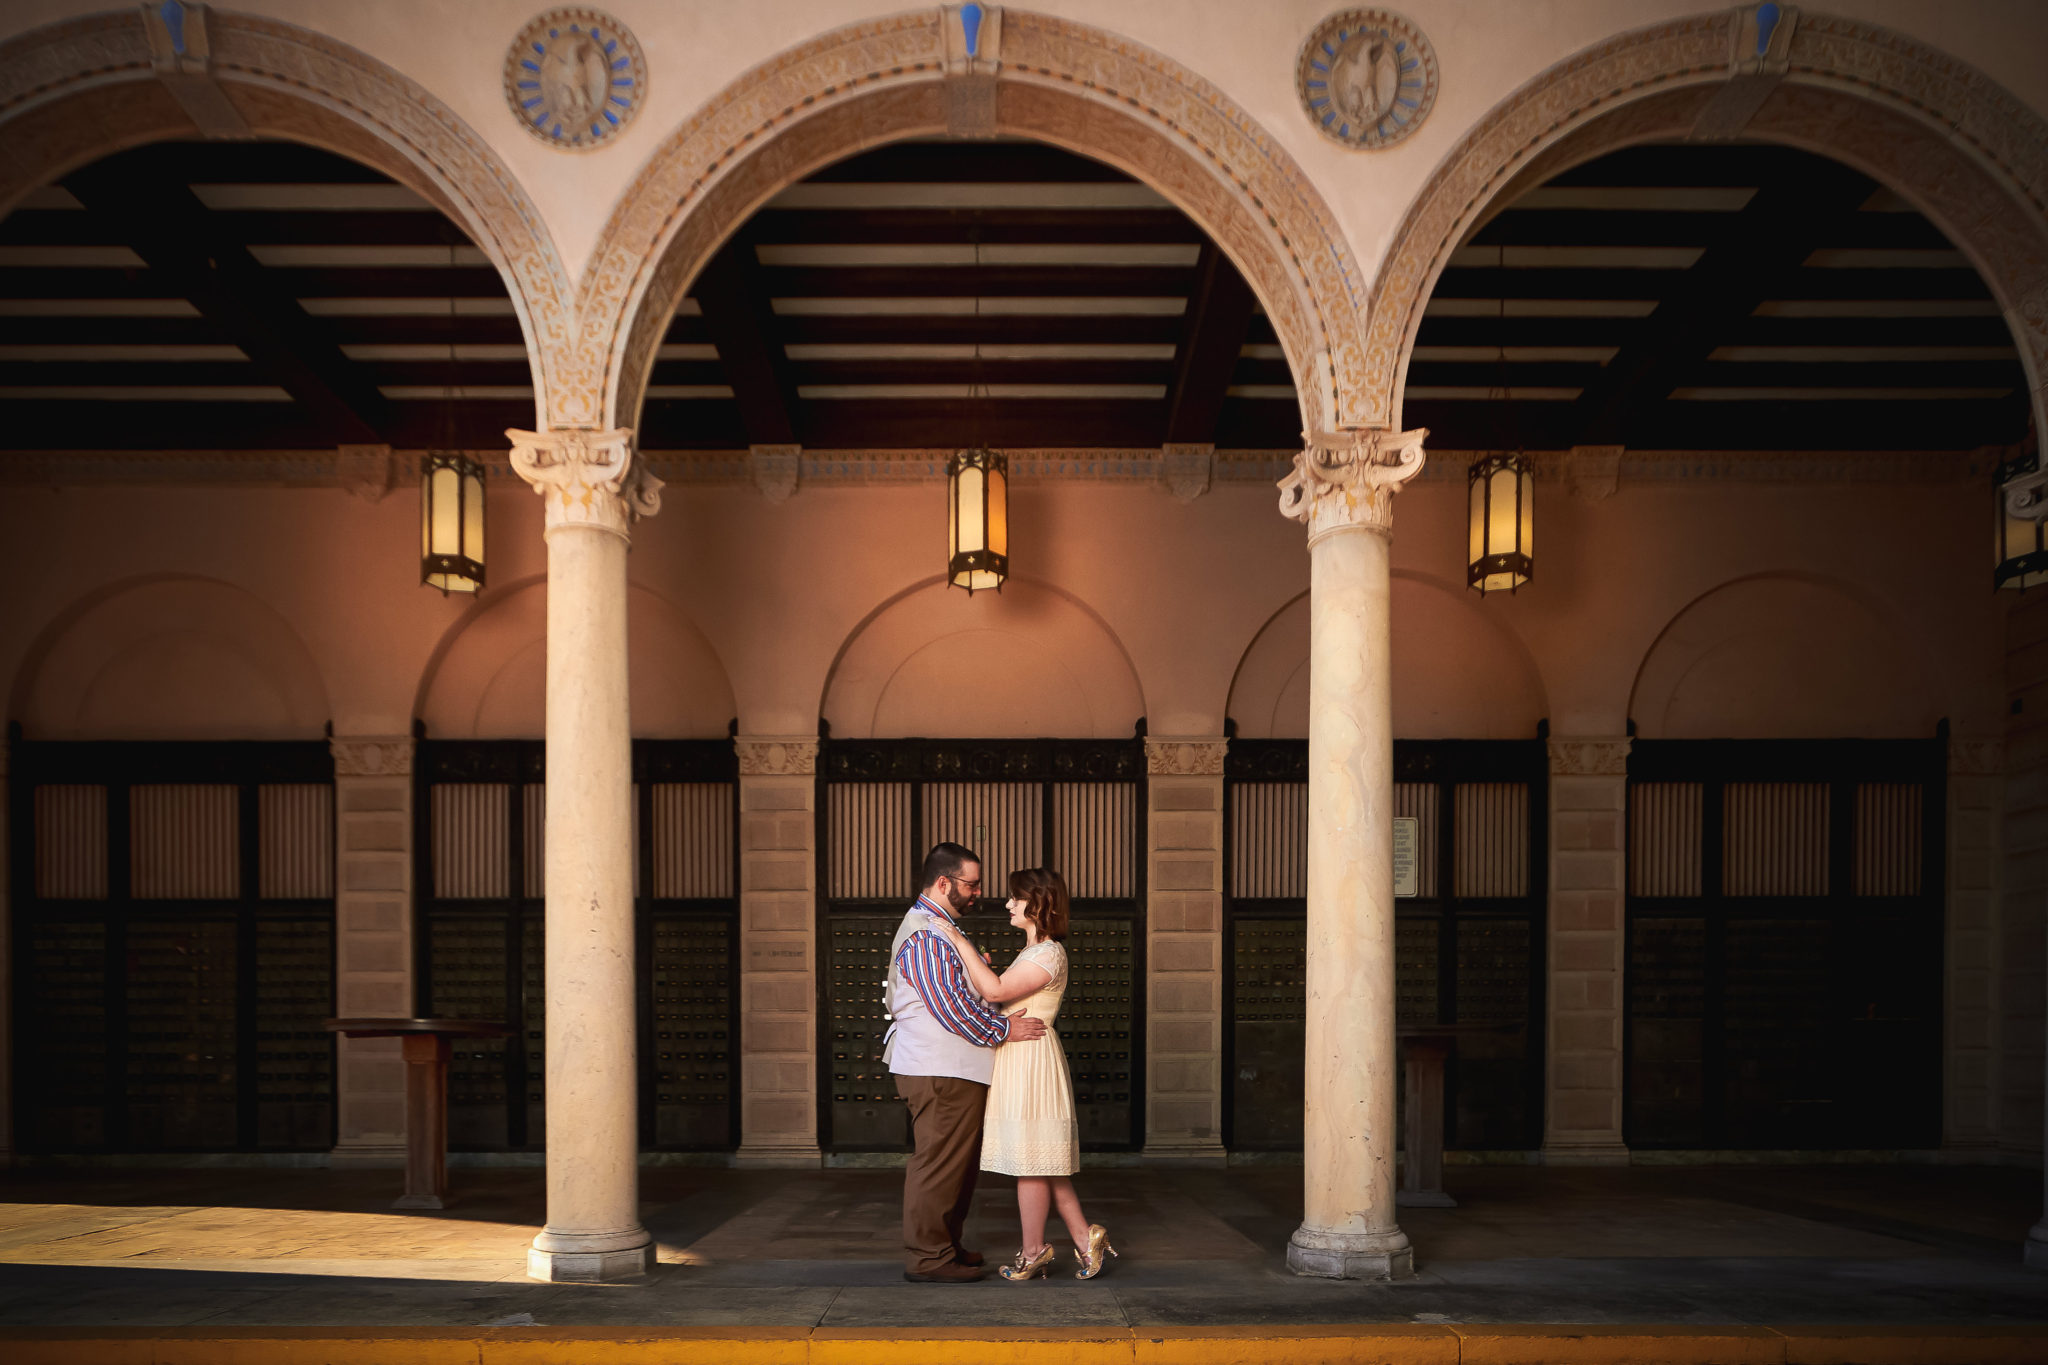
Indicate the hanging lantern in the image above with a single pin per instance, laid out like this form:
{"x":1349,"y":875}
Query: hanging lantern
{"x":978,"y":520}
{"x":1501,"y":553}
{"x":2019,"y":545}
{"x":452,"y":522}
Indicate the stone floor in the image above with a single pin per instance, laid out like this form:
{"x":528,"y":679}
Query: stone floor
{"x":1848,"y":1244}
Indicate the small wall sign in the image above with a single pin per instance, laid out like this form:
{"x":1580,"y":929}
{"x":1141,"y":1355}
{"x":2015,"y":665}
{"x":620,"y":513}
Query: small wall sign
{"x":1407,"y":872}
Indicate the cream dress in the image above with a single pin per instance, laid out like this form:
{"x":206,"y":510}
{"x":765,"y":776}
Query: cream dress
{"x":1028,"y":1127}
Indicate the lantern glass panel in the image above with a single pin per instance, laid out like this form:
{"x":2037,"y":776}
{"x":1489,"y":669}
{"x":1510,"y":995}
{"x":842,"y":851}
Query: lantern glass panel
{"x":967,"y":498}
{"x":1526,"y":499}
{"x":998,"y":512}
{"x":473,"y":516}
{"x":1500,"y":512}
{"x":1476,"y":539}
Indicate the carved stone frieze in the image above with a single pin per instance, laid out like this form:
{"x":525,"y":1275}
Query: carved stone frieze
{"x":1186,"y":470}
{"x":1347,"y":479}
{"x":1185,"y":757}
{"x":371,"y":755}
{"x":777,"y":755}
{"x":366,"y":471}
{"x":586,"y":478}
{"x":775,"y":470}
{"x":1589,"y":757}
{"x":1976,"y":757}
{"x":1592,"y":473}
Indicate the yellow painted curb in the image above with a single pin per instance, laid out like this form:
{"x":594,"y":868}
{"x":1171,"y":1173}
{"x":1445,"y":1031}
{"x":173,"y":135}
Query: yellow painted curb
{"x":1620,"y":1344}
{"x":1280,"y":1344}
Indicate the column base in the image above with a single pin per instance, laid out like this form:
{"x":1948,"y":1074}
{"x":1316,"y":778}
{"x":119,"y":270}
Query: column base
{"x":776,"y":1156}
{"x":1351,"y":1256}
{"x":2036,"y":1254}
{"x":1195,"y":1153}
{"x":593,"y":1258}
{"x":1585,"y":1154}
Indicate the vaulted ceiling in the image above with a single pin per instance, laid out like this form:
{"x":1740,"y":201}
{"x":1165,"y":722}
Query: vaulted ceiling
{"x":269,"y":296}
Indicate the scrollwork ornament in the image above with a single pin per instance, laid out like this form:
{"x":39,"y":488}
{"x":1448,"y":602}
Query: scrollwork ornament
{"x":586,"y":478}
{"x":1348,"y":478}
{"x":371,"y":755}
{"x":776,"y":755}
{"x":1589,"y":757}
{"x":1185,"y":757}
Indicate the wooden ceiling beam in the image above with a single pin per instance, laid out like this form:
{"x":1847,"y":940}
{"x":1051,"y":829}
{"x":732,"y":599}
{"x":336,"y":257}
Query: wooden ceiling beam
{"x":989,"y":281}
{"x":189,"y":253}
{"x":960,"y":226}
{"x":740,"y":323}
{"x":1219,"y":313}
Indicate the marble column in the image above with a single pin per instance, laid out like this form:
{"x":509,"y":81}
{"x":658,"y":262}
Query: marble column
{"x":373,"y":939}
{"x":1184,"y":950}
{"x":593,"y":485}
{"x":1588,"y":862}
{"x":1343,"y":487}
{"x":778,"y":956}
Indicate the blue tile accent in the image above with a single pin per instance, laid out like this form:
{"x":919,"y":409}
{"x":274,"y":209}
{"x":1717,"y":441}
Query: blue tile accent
{"x":1766,"y":24}
{"x":970,"y":27}
{"x":173,"y":15}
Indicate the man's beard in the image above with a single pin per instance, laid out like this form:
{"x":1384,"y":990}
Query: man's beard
{"x":957,"y":902}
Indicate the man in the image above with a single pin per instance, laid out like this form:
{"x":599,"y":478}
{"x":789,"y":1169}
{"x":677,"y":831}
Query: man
{"x":939,"y":1049}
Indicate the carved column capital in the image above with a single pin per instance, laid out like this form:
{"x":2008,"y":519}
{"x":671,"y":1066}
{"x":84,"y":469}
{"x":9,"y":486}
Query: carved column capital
{"x":371,"y":755}
{"x":777,"y":755}
{"x":1976,"y":757}
{"x":586,"y":478}
{"x":1346,"y":479}
{"x":1589,"y":757}
{"x":1171,"y":757}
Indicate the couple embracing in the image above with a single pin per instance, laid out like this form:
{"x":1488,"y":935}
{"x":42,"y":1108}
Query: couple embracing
{"x":987,"y":1086}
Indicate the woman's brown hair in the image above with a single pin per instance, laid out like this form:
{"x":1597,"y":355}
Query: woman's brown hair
{"x":1044,"y":893}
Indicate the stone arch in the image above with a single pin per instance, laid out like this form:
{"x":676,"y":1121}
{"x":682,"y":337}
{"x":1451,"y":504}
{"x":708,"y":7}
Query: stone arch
{"x":488,"y":676}
{"x":1459,"y":673}
{"x":1783,"y":656}
{"x":76,"y":91}
{"x":1051,"y":79}
{"x":170,"y":657}
{"x":1038,"y":665}
{"x":1964,"y":151}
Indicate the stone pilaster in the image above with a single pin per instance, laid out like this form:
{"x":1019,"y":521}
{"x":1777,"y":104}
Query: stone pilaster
{"x":1976,"y":797}
{"x":1588,"y":868}
{"x":778,"y":950}
{"x":373,"y":940}
{"x":1343,"y":487}
{"x":1184,"y":949}
{"x":592,"y":485}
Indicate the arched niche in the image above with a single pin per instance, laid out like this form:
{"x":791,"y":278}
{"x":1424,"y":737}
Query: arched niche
{"x":489,"y":678}
{"x":1961,"y":149}
{"x":1457,"y":673}
{"x":171,"y":658}
{"x":1028,"y":662}
{"x":1782,"y":657}
{"x":81,"y":89}
{"x":1032,"y":75}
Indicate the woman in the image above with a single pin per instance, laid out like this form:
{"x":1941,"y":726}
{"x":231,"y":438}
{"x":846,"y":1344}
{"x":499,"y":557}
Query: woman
{"x":1029,"y":1129}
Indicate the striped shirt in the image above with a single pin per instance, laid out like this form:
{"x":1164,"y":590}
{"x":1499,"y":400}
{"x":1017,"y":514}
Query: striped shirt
{"x":933,"y":969}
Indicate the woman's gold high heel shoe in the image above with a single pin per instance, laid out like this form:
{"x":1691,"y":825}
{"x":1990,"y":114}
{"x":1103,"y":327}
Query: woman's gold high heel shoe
{"x":1029,"y":1267}
{"x":1093,"y":1258}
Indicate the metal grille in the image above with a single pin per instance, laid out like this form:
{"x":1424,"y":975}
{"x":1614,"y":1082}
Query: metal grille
{"x":1664,"y":834}
{"x":467,"y":953}
{"x":865,"y":1109}
{"x":295,"y":841}
{"x":1001,"y":821}
{"x":1418,"y":800}
{"x":1492,"y":848}
{"x":66,"y":973}
{"x":182,"y":1060}
{"x":1888,"y":839}
{"x":71,"y":842}
{"x":1667,"y":987}
{"x":868,"y":835}
{"x":1095,"y":838}
{"x":471,"y":834}
{"x":692,"y":1044}
{"x":1776,"y":839}
{"x":533,"y":840}
{"x":1269,"y":840}
{"x":294,"y":1052}
{"x":1095,"y":1026}
{"x":693,"y":840}
{"x":184,"y":842}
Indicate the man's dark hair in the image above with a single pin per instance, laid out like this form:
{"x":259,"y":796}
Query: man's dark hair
{"x":945,"y":860}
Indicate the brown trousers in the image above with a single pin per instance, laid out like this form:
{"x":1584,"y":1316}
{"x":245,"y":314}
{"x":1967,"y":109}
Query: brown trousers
{"x":938,"y":1184}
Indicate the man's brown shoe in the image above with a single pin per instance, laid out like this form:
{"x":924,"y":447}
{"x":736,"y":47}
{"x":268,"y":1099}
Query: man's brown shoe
{"x":966,"y":1257}
{"x":951,"y":1273}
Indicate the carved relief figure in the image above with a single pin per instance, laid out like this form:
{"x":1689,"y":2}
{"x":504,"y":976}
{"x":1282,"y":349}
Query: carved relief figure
{"x":574,"y":78}
{"x":1365,"y":75}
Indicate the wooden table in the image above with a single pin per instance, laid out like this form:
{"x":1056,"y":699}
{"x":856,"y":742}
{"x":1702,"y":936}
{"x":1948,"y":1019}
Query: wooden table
{"x":426,"y":1096}
{"x":1424,"y":1050}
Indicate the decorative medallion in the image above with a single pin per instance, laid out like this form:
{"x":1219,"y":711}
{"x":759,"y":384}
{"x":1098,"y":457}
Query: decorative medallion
{"x":1367,"y":77}
{"x":575,"y":77}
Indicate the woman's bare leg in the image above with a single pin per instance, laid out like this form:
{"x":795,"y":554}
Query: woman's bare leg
{"x":1032,"y":1200}
{"x":1070,"y":1210}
